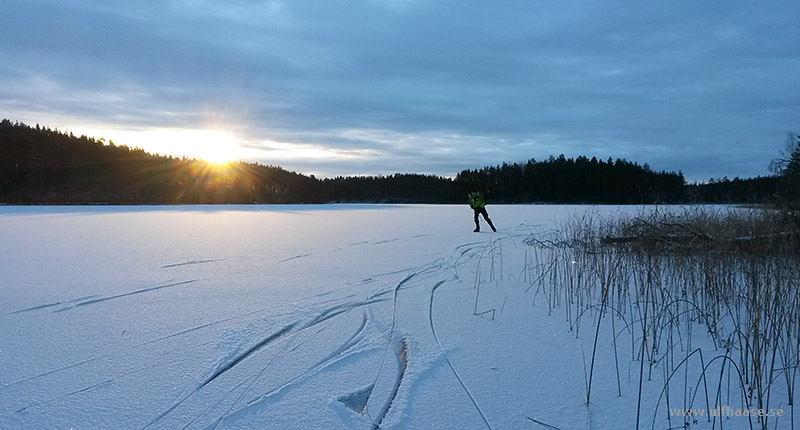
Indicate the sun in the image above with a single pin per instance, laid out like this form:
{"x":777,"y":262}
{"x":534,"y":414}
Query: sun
{"x":215,"y":147}
{"x":215,"y":157}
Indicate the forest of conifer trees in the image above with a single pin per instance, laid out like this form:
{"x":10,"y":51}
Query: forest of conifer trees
{"x":39,"y":165}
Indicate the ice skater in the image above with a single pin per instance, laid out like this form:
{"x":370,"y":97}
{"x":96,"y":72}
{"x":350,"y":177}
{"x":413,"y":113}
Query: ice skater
{"x":478,"y":205}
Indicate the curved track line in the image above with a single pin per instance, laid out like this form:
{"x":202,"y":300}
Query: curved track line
{"x":290,"y":328}
{"x":146,"y":290}
{"x":402,"y":367}
{"x":269,"y":339}
{"x":436,"y":338}
{"x":394,"y":319}
{"x":354,"y":340}
{"x":187,"y":263}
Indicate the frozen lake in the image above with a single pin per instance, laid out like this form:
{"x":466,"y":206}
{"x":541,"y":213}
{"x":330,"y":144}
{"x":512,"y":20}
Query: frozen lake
{"x":308,"y":316}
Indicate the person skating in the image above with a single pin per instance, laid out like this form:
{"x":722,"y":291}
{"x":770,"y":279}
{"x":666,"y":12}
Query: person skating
{"x":478,"y":205}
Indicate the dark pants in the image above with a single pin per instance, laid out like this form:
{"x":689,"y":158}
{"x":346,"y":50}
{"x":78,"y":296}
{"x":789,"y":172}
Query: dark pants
{"x":482,"y":211}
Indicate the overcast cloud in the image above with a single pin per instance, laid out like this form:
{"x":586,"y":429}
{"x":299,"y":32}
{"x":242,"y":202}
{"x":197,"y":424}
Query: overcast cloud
{"x":710,"y":88}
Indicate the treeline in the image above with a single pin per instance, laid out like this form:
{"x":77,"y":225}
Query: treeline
{"x":762,"y":189}
{"x":579,"y":180}
{"x":397,"y":188}
{"x":39,"y":165}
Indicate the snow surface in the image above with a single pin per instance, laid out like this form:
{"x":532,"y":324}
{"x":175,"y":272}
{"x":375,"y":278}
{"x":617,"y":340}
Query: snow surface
{"x":312,"y":317}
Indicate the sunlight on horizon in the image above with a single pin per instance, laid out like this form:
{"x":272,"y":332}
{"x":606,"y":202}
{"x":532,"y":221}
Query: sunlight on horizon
{"x":219,"y":145}
{"x":213,"y":146}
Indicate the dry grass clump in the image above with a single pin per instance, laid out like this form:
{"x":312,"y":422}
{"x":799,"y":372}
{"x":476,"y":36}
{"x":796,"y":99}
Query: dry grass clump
{"x":661,"y":276}
{"x":730,"y":230}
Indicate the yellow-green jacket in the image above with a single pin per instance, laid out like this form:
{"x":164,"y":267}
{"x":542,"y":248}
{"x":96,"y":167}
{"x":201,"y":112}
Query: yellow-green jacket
{"x":477,"y":202}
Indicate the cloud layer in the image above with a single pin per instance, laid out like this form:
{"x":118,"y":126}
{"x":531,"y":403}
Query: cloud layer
{"x":377,"y":87}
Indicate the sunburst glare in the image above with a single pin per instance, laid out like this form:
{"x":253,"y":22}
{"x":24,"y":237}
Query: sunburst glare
{"x":213,"y":146}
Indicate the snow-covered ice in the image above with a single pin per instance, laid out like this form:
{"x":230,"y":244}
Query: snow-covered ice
{"x":317,"y":316}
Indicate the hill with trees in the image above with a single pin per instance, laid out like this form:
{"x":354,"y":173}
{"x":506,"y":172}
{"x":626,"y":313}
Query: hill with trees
{"x":39,"y":165}
{"x":579,"y":180}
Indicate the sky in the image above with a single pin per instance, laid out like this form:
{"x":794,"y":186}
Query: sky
{"x":368,"y":87}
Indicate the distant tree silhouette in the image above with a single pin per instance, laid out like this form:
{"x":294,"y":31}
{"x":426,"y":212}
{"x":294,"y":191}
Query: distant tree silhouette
{"x":579,"y":180}
{"x":397,"y":188}
{"x":761,"y":189}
